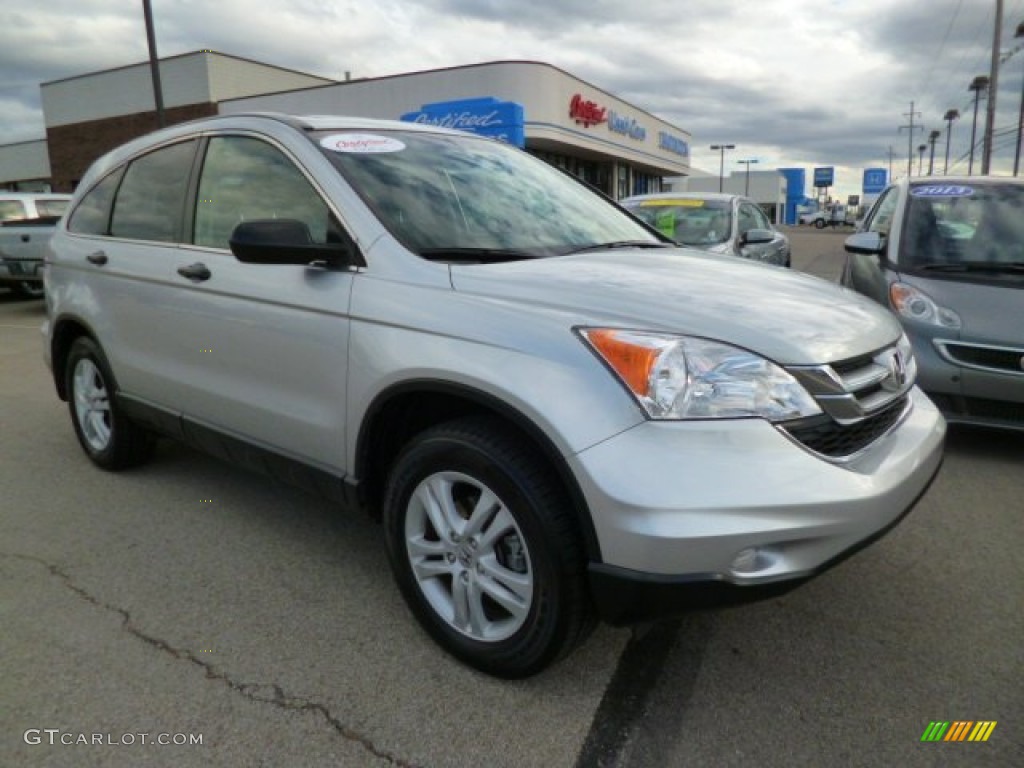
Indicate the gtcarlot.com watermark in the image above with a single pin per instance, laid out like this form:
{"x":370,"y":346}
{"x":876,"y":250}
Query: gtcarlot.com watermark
{"x":55,"y":736}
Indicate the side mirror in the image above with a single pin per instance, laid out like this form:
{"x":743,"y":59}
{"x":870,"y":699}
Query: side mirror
{"x":756,"y":236}
{"x":870,"y":243}
{"x":286,"y":241}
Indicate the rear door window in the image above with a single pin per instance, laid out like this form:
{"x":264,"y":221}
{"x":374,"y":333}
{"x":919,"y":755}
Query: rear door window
{"x":151,"y":200}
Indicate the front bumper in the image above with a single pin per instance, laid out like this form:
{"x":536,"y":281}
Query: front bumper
{"x":689,"y":514}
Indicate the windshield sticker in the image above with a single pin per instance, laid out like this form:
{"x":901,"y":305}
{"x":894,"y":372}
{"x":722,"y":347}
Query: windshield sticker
{"x":941,"y":190}
{"x":361,"y":143}
{"x":682,"y":203}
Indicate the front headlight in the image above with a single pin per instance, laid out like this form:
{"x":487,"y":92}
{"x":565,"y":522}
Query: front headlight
{"x":682,"y":377}
{"x":915,"y":304}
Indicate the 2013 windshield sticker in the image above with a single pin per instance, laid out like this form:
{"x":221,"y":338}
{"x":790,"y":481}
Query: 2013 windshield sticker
{"x":361,"y":143}
{"x":941,"y":190}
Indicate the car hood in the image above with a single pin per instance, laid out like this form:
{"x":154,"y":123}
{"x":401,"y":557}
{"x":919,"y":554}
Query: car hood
{"x":791,"y":318}
{"x":989,"y":313}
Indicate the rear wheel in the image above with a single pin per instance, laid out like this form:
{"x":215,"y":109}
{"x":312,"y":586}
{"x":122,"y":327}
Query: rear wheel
{"x":819,"y":223}
{"x":109,"y":439}
{"x":484,"y":547}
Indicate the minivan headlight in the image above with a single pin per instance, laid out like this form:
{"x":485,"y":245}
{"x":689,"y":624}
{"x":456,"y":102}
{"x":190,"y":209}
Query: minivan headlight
{"x":915,"y":304}
{"x":683,"y":377}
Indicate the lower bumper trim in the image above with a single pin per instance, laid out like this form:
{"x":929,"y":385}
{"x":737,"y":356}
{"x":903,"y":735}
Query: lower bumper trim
{"x":623,"y":596}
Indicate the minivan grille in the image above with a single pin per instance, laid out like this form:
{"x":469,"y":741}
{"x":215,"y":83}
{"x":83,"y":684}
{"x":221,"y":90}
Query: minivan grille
{"x":861,"y":398}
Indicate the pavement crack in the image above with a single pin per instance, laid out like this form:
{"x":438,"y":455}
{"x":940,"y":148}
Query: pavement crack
{"x":261,"y":693}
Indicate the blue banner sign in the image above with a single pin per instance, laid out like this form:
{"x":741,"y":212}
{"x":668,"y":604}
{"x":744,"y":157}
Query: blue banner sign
{"x":485,"y":116}
{"x":673,"y":144}
{"x":875,"y":180}
{"x":824,"y":177}
{"x":627,"y":126}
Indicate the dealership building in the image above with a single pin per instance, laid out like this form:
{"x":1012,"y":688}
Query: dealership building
{"x":618,"y":147}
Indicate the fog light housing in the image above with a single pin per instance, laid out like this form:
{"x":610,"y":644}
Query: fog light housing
{"x":751,"y":560}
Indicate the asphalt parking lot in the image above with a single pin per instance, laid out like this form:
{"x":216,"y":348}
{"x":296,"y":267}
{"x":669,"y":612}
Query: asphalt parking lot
{"x":189,"y":598}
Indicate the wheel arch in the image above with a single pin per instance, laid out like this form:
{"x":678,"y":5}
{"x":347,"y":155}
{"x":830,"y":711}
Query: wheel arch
{"x":404,"y":410}
{"x":66,"y":330}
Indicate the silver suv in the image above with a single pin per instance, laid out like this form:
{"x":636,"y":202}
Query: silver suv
{"x":557,"y":414}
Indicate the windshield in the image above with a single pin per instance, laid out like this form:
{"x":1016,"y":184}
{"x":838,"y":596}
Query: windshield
{"x":463,"y":195}
{"x":956,"y":227}
{"x":687,"y":221}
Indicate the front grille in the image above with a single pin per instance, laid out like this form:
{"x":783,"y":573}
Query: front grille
{"x":837,"y":441}
{"x":1003,"y":359}
{"x":861,"y":399}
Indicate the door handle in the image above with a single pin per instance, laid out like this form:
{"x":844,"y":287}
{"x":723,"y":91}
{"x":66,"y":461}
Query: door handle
{"x":196,"y":272}
{"x":99,"y":258}
{"x":26,"y":238}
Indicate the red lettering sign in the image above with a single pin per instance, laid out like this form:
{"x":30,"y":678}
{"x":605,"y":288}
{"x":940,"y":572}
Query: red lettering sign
{"x":586,"y":112}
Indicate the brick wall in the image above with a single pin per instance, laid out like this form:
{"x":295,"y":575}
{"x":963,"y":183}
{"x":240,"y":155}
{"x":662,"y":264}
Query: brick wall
{"x":74,"y":147}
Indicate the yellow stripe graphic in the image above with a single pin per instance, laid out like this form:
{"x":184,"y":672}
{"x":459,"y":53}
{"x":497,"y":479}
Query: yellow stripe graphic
{"x":982,"y":730}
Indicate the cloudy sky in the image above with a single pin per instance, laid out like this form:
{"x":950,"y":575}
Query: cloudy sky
{"x":790,"y":82}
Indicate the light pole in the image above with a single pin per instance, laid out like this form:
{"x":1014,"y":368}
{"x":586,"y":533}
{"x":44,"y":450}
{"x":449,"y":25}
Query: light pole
{"x":721,"y":160}
{"x":154,"y":65}
{"x":746,"y":182}
{"x":949,"y":117}
{"x":978,"y":84}
{"x":1020,"y":118}
{"x":933,"y":136}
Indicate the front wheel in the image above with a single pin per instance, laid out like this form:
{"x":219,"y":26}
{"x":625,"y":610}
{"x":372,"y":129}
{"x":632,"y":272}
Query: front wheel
{"x":819,"y":223}
{"x":484,"y":547}
{"x":109,"y":439}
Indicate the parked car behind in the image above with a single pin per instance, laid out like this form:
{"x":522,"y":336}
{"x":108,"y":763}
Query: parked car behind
{"x":948,"y":259}
{"x":27,"y":221}
{"x":557,"y":414}
{"x":720,"y":223}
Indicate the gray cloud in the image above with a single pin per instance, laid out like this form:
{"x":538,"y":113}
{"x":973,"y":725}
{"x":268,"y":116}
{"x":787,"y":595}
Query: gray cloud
{"x":799,"y":81}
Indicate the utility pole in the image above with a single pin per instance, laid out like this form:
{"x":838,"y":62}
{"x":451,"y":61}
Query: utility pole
{"x":932,"y":138}
{"x":949,"y":117}
{"x":910,"y":138}
{"x":920,"y":156}
{"x":890,"y":162}
{"x":993,"y":87}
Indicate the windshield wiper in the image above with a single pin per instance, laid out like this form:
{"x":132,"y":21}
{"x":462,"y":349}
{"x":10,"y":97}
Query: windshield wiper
{"x":619,"y":244}
{"x":473,"y":255}
{"x":1010,"y":267}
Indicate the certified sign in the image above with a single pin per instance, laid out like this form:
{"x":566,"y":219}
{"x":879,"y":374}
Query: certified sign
{"x":361,"y":143}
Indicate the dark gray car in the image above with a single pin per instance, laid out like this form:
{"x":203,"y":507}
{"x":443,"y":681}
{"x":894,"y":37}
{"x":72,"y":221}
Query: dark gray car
{"x":948,"y":259}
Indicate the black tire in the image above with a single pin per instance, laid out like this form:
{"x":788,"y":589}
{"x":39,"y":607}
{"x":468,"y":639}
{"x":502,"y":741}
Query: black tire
{"x":527,"y":538}
{"x":108,"y":438}
{"x":820,"y":223}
